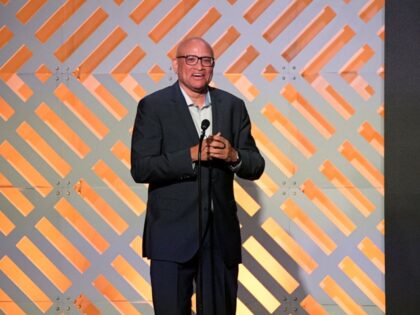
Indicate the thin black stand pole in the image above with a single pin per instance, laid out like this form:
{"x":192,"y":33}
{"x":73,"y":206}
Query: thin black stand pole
{"x":200,"y":305}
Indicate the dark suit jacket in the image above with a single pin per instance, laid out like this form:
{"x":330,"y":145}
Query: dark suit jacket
{"x":163,"y":134}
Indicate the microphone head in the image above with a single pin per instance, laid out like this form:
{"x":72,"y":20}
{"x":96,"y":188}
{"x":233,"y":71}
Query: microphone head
{"x":205,"y":124}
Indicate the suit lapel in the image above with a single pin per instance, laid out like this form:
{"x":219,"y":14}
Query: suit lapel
{"x":182,"y":114}
{"x":217,"y":110}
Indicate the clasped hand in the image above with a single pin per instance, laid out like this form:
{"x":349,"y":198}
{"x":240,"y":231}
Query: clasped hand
{"x":215,"y":147}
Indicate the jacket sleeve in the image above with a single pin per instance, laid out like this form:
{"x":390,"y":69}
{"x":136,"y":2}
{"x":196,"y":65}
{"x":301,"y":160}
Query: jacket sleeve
{"x":252,"y":162}
{"x":150,"y":163}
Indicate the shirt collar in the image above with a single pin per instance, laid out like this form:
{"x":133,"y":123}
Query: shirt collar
{"x":191,"y":103}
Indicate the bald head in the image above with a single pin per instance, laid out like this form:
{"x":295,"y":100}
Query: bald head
{"x":192,"y":41}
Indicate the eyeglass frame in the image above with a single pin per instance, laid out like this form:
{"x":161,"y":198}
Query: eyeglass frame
{"x":198,"y":58}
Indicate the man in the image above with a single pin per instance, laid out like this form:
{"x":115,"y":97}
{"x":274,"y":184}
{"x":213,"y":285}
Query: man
{"x":164,"y":154}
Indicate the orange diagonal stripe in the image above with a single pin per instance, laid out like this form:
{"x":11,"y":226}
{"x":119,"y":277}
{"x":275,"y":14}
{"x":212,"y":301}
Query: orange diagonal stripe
{"x":312,"y":307}
{"x":225,"y":41}
{"x":122,"y":152}
{"x":350,"y":71}
{"x":171,"y":19}
{"x":128,"y":63}
{"x":134,"y":279}
{"x":309,"y":226}
{"x":39,"y":144}
{"x":200,"y":28}
{"x":245,"y":200}
{"x":8,"y":306}
{"x":372,"y":136}
{"x":283,"y":162}
{"x":373,"y":253}
{"x":29,"y":9}
{"x":101,"y":52}
{"x":44,"y":264}
{"x":381,"y":227}
{"x":257,"y":289}
{"x":83,"y":112}
{"x":86,"y":306}
{"x":255,"y":10}
{"x":267,"y":184}
{"x":6,"y":111}
{"x":309,"y":33}
{"x":241,"y":82}
{"x":271,"y":265}
{"x":143,"y":10}
{"x":25,"y":284}
{"x":137,"y":247}
{"x":360,"y":58}
{"x":75,"y":40}
{"x":101,"y":207}
{"x":5,"y":36}
{"x":244,"y":60}
{"x":339,"y":296}
{"x":347,"y":188}
{"x":6,"y":225}
{"x":362,"y":280}
{"x":327,"y":53}
{"x":63,"y":245}
{"x":307,"y":110}
{"x":25,"y":169}
{"x":337,"y":101}
{"x":285,"y":19}
{"x":62,"y":130}
{"x":370,"y":9}
{"x":289,"y":130}
{"x":15,"y":62}
{"x":111,"y":293}
{"x":328,"y":208}
{"x":119,"y":187}
{"x":15,"y":196}
{"x":289,"y":245}
{"x":81,"y":225}
{"x":105,"y":97}
{"x":58,"y":19}
{"x":366,"y":168}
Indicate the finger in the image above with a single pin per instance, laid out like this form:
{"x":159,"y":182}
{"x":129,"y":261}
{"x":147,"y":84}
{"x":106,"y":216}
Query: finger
{"x":218,"y":137}
{"x":216,"y":152}
{"x":219,"y":145}
{"x":217,"y":156}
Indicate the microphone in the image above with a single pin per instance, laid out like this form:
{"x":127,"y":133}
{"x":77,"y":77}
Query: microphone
{"x":205,"y":124}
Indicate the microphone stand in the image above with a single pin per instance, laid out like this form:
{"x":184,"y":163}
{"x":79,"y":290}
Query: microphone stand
{"x":200,"y":307}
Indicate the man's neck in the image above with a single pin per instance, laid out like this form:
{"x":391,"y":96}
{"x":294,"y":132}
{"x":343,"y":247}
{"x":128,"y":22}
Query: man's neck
{"x":198,"y":98}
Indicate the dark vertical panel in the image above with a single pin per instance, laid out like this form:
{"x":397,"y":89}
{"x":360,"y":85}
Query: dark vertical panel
{"x":402,"y":156}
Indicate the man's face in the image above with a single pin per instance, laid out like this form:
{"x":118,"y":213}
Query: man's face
{"x":193,"y":78}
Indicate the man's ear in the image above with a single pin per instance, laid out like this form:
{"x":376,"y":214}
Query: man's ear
{"x":175,"y":65}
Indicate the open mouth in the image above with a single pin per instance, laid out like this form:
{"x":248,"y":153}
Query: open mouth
{"x":198,"y":75}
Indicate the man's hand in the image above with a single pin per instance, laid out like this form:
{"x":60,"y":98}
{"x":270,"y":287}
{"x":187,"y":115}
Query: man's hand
{"x":220,"y":148}
{"x":204,"y":152}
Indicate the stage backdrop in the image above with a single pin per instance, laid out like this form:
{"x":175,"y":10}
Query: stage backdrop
{"x":71,"y":217}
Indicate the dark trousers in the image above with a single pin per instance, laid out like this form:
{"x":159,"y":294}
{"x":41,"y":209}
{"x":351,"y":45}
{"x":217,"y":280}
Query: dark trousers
{"x":173,"y":283}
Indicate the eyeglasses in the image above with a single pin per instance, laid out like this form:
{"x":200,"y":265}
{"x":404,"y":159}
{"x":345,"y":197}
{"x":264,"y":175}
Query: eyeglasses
{"x":192,"y":60}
